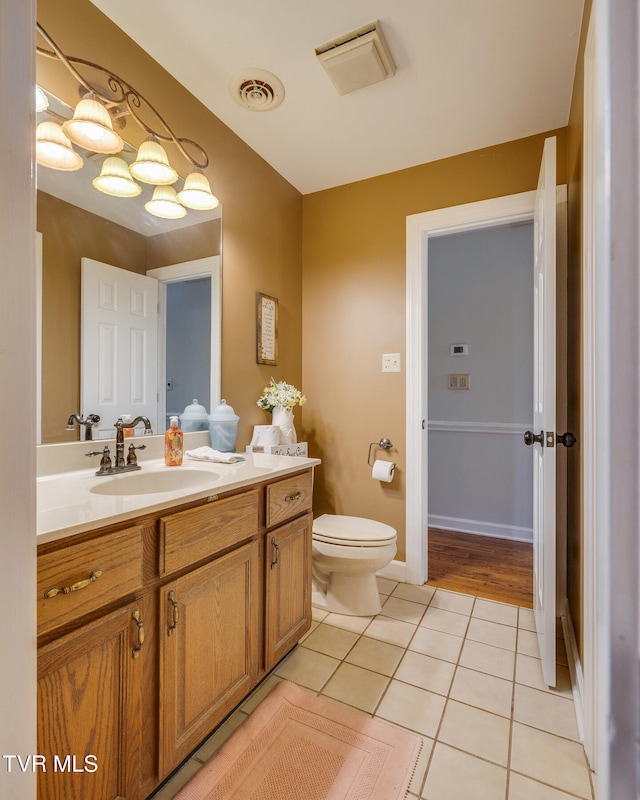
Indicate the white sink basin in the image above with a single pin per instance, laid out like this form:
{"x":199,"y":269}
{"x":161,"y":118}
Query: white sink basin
{"x":171,"y":480}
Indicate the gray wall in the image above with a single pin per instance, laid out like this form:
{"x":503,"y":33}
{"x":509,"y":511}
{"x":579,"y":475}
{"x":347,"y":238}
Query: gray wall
{"x":189,"y":333}
{"x":481,"y":294}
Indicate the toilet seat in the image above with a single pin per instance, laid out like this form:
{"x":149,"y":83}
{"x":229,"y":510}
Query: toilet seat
{"x":352,"y":531}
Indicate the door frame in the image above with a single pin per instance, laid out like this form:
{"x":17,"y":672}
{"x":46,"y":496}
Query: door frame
{"x":420,"y":228}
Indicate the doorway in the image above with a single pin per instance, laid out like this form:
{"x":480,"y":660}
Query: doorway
{"x":480,"y":400}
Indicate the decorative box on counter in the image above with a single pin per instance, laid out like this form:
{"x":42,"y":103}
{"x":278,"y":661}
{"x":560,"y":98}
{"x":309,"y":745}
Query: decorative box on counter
{"x":298,"y":449}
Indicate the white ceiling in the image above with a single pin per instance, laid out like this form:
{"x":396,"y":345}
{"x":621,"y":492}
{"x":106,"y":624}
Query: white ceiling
{"x":470,"y":74}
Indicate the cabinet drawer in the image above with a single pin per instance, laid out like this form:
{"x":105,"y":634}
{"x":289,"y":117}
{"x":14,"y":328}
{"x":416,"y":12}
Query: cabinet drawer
{"x":83,"y":577}
{"x":189,"y":536}
{"x":289,"y":497}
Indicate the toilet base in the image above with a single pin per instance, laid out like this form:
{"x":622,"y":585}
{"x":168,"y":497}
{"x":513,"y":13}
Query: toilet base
{"x":353,"y":595}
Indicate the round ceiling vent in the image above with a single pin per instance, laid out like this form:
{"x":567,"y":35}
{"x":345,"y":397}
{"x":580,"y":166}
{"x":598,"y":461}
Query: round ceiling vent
{"x":256,"y":89}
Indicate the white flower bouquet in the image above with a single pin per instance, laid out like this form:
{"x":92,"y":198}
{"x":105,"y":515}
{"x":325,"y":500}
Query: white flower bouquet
{"x":280,"y":394}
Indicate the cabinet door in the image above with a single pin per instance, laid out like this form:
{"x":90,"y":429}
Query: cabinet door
{"x":89,"y":718}
{"x":288,"y":587}
{"x":209,"y":649}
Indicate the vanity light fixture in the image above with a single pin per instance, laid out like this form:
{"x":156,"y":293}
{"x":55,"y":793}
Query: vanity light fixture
{"x":115,"y":179}
{"x":92,"y":128}
{"x":165,"y":203}
{"x":42,"y":102}
{"x":53,"y":148}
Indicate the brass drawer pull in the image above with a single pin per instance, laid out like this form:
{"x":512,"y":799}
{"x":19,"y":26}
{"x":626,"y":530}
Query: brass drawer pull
{"x":276,"y":550}
{"x":289,"y":497}
{"x":136,"y":618}
{"x":74,"y":586}
{"x":175,"y":613}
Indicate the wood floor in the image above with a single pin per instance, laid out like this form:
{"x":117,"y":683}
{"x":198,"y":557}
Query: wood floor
{"x":497,"y":569}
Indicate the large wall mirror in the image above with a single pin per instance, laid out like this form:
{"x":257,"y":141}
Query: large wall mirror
{"x":80,"y":227}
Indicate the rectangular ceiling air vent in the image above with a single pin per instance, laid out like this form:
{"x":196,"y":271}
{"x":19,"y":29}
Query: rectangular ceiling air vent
{"x":358,"y":59}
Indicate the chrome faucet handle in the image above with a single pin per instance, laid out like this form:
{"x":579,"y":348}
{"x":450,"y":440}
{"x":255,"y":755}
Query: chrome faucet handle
{"x":132,"y":458}
{"x":105,"y":461}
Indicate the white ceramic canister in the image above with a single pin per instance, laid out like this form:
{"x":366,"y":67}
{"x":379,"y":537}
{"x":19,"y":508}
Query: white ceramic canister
{"x":194,"y":418}
{"x":223,"y":428}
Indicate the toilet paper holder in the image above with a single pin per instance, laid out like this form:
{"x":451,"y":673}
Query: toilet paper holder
{"x":383,"y":444}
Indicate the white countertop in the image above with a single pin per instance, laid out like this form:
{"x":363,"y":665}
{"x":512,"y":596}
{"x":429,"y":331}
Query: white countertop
{"x":70,"y":502}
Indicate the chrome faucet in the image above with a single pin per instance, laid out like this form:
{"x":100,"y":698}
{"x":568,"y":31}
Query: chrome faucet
{"x":88,"y":423}
{"x":119,"y":465}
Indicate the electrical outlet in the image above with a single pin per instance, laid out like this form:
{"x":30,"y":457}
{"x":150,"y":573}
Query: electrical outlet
{"x":391,"y":362}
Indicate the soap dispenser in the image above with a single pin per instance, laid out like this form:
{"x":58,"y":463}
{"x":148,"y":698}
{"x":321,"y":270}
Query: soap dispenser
{"x":173,"y":444}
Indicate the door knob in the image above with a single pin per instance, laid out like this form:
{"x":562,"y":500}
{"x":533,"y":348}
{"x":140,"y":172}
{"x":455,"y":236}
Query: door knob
{"x":530,"y":438}
{"x":567,"y":439}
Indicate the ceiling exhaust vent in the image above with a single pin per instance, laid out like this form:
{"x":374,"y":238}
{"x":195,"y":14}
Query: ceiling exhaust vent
{"x":256,"y":89}
{"x":358,"y":59}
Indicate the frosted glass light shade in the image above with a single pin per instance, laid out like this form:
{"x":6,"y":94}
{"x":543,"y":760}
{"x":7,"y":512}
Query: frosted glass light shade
{"x":54,"y":150}
{"x":197,"y":193}
{"x":115,"y":179}
{"x":42,"y":101}
{"x":164,"y":203}
{"x":91,"y":128}
{"x":152,"y":165}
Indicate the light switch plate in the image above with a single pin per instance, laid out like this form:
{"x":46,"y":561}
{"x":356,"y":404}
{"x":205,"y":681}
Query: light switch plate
{"x":391,"y":362}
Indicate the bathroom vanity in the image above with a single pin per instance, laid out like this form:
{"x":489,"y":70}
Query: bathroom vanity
{"x":158,"y":612}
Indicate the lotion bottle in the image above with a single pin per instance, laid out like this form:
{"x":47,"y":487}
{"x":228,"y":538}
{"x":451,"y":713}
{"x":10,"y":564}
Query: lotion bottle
{"x":173,"y":444}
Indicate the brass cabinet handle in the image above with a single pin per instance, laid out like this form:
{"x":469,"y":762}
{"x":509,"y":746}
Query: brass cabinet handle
{"x":289,"y":497}
{"x":175,"y":612}
{"x":137,"y":619}
{"x":74,"y":586}
{"x":276,"y":551}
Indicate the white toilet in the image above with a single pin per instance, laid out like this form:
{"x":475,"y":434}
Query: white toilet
{"x":347,"y":553}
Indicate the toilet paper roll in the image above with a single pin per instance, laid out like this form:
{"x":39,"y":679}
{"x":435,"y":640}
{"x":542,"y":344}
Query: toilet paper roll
{"x":383,"y":471}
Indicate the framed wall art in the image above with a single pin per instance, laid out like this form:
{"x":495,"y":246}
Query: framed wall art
{"x":266,"y":329}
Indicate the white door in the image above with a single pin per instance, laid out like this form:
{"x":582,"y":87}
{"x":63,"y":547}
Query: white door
{"x":118,"y":345}
{"x":543,"y":437}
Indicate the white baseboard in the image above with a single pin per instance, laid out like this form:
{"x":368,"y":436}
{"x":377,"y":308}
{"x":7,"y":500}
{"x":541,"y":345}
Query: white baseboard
{"x":575,"y":667}
{"x":395,"y":571}
{"x":480,"y":528}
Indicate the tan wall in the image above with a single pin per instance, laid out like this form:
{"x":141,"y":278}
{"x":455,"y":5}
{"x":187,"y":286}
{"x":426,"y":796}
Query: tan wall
{"x":354,"y":262}
{"x":575,"y":532}
{"x":262,"y":213}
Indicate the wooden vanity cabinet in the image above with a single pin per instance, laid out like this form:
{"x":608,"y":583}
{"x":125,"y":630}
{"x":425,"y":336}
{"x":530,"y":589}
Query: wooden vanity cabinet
{"x":157,"y":629}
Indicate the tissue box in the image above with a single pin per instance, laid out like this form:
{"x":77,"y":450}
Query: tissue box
{"x":299,"y":449}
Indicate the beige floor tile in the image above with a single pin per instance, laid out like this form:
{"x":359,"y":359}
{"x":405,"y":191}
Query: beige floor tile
{"x":545,"y":711}
{"x":331,"y":641}
{"x":454,"y":775}
{"x":528,"y":643}
{"x":171,"y":789}
{"x":375,"y":655}
{"x":426,"y":672}
{"x":259,"y":694}
{"x":396,"y":608}
{"x":412,"y":708}
{"x":453,"y":601}
{"x":356,"y":687}
{"x":476,"y":731}
{"x":550,"y":759}
{"x":349,"y":623}
{"x":421,"y":767}
{"x":526,"y":619}
{"x":385,"y":586}
{"x":213,"y":743}
{"x":393,"y":631}
{"x":486,"y":658}
{"x":523,"y":788}
{"x":481,"y":630}
{"x":314,"y":625}
{"x":318,"y":614}
{"x":446,"y":621}
{"x":436,"y":644}
{"x":416,"y":594}
{"x":529,"y":673}
{"x":482,"y":691}
{"x":496,"y":612}
{"x":307,"y":668}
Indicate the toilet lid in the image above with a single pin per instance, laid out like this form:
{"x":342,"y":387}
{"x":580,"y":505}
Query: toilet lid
{"x":355,"y":531}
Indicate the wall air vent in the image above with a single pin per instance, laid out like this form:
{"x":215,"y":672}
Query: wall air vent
{"x":358,"y":59}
